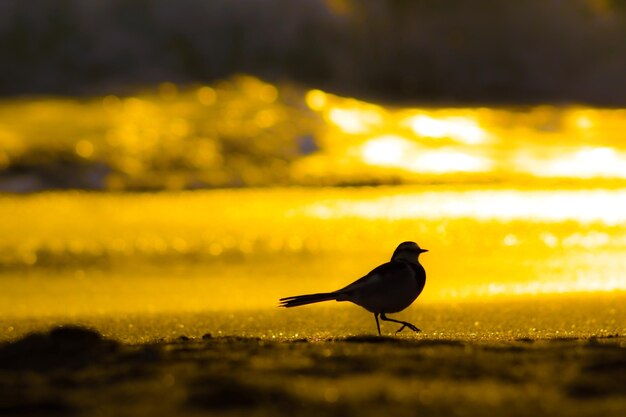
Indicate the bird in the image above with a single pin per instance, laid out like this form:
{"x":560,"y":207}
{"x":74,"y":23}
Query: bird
{"x":388,"y":288}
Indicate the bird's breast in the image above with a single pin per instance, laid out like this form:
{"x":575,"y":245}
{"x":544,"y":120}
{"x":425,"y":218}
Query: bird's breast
{"x":419,"y":274}
{"x":392,"y":292}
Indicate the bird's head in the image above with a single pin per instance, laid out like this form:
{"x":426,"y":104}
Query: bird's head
{"x":407,"y":251}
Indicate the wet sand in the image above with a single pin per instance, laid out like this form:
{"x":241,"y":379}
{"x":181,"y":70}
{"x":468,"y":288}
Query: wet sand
{"x":73,"y":370}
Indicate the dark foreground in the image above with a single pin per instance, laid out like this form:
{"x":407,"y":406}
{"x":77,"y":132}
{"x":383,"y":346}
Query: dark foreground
{"x":75,"y":371}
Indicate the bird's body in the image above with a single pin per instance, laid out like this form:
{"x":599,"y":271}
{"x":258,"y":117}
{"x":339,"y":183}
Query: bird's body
{"x":388,"y":288}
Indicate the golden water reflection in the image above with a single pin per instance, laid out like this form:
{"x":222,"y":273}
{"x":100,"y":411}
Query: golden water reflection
{"x":395,"y":151}
{"x":584,"y":206}
{"x":380,"y":144}
{"x":247,"y":132}
{"x":584,"y":162}
{"x":510,"y":201}
{"x":196,"y":251}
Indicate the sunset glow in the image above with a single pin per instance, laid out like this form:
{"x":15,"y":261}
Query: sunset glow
{"x":474,"y":141}
{"x":506,"y":205}
{"x":388,"y":151}
{"x":588,"y":162}
{"x":461,"y":129}
{"x":394,"y":151}
{"x":354,"y":121}
{"x":483,"y":183}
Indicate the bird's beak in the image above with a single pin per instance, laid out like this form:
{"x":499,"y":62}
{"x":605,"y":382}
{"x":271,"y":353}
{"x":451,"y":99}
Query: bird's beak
{"x":423,"y":250}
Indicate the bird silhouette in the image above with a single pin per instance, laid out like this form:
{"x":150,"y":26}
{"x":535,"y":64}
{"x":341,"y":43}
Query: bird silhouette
{"x":388,"y":288}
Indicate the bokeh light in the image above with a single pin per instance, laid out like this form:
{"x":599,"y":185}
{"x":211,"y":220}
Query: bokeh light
{"x":538,"y":187}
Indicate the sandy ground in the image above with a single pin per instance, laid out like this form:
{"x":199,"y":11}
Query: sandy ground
{"x":72,"y":370}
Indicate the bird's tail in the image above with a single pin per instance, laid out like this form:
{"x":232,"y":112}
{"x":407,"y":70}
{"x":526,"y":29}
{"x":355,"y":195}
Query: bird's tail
{"x":300,"y":300}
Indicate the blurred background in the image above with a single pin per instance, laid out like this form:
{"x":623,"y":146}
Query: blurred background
{"x":160,"y":156}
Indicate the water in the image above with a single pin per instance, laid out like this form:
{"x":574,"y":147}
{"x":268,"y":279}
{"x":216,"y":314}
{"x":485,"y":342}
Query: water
{"x":515,"y":204}
{"x":206,"y":261}
{"x":245,"y":132}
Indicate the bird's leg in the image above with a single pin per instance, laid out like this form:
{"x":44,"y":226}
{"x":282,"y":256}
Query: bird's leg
{"x":377,"y":324}
{"x":403,"y":323}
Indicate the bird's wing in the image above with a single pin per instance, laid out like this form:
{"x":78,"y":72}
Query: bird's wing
{"x":377,"y":279}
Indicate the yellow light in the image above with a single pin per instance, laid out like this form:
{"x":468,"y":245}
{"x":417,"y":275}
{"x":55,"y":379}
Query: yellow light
{"x":206,"y":96}
{"x":84,"y":148}
{"x":584,"y":122}
{"x":588,"y":162}
{"x":586,"y":283}
{"x":354,"y":121}
{"x":386,"y":150}
{"x":268,"y":93}
{"x":461,"y":129}
{"x":549,"y":240}
{"x":396,"y":151}
{"x":447,"y":161}
{"x":265,"y":119}
{"x":179,"y":127}
{"x":427,"y":126}
{"x":510,"y":240}
{"x":583,"y":206}
{"x":316,"y":99}
{"x":587,"y":240}
{"x":347,"y":120}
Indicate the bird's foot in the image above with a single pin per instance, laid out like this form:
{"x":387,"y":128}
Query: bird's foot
{"x":410,"y":326}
